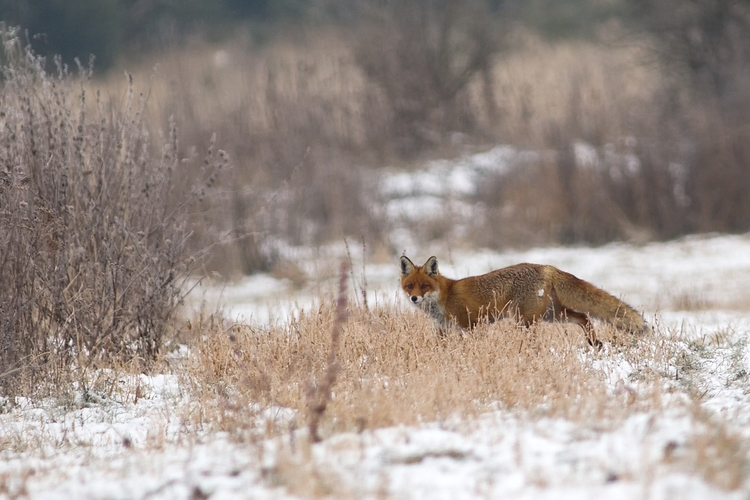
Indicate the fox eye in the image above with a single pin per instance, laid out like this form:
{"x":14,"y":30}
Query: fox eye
{"x":409,"y":286}
{"x":424,"y":287}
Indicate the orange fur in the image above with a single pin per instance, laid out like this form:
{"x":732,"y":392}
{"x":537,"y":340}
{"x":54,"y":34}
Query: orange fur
{"x":527,"y":292}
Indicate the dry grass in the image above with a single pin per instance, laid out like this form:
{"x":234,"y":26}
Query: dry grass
{"x":293,"y":119}
{"x":302,"y":122}
{"x":394,"y":369}
{"x":253,"y":98}
{"x":590,"y":92}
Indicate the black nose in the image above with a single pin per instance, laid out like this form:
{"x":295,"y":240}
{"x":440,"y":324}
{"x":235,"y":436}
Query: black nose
{"x":414,"y":298}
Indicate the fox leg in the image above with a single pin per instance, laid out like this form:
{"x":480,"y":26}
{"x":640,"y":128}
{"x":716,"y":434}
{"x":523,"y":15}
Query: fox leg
{"x":557,"y":311}
{"x":584,"y":322}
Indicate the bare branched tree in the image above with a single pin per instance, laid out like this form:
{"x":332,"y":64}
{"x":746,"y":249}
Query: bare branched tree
{"x":422,"y":56}
{"x":703,"y":48}
{"x":706,"y":42}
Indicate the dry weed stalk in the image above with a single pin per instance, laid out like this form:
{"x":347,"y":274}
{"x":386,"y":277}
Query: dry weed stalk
{"x":319,"y":394}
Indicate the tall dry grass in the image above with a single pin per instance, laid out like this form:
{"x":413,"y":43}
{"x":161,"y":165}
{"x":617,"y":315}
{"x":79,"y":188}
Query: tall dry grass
{"x":295,"y":121}
{"x":305,"y":127}
{"x":308,"y":124}
{"x":394,"y":369}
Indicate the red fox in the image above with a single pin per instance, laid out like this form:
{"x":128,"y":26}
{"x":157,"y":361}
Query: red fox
{"x":527,"y":292}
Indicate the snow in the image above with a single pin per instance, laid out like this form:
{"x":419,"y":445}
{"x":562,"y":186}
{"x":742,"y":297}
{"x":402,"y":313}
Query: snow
{"x":711,"y":272}
{"x":443,"y":190}
{"x":440,"y":177}
{"x":507,"y":458}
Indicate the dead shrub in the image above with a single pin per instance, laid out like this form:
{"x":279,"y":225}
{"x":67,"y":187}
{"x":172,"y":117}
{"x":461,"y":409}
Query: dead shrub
{"x":93,"y":229}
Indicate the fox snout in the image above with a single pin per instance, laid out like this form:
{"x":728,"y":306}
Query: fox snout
{"x":422,"y":299}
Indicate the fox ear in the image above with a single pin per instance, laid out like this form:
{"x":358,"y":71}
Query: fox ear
{"x":407,"y":266}
{"x":431,"y":267}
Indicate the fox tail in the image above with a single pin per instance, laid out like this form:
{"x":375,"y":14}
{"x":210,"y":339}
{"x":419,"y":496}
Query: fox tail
{"x":578,"y":295}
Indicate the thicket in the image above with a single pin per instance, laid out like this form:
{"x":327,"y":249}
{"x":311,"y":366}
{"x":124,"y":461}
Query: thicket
{"x":94,"y":227}
{"x":702,"y":111}
{"x":421,"y":57}
{"x":676,"y":160}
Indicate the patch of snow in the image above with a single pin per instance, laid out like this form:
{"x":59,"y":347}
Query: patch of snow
{"x":443,"y":189}
{"x":586,"y":156}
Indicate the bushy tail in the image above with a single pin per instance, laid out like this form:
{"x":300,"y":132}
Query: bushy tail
{"x":581,"y":296}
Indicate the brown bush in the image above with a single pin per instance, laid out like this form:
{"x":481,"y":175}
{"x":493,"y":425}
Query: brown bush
{"x":93,"y":229}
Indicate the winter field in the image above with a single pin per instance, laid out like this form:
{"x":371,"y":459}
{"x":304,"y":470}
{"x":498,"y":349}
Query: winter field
{"x":672,"y":424}
{"x":501,"y":412}
{"x":318,"y":379}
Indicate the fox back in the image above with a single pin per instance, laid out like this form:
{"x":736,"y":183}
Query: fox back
{"x":508,"y":291}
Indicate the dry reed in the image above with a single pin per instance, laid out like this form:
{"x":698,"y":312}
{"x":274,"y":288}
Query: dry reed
{"x":319,"y":392}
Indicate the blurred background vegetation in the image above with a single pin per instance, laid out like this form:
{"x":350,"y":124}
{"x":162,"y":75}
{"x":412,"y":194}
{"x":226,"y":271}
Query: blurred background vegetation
{"x":310,"y":98}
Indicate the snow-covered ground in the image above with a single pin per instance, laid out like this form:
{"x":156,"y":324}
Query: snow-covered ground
{"x":139,"y":448}
{"x":696,"y":288}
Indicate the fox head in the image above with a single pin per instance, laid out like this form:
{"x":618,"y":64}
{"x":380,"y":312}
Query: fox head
{"x":420,"y":283}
